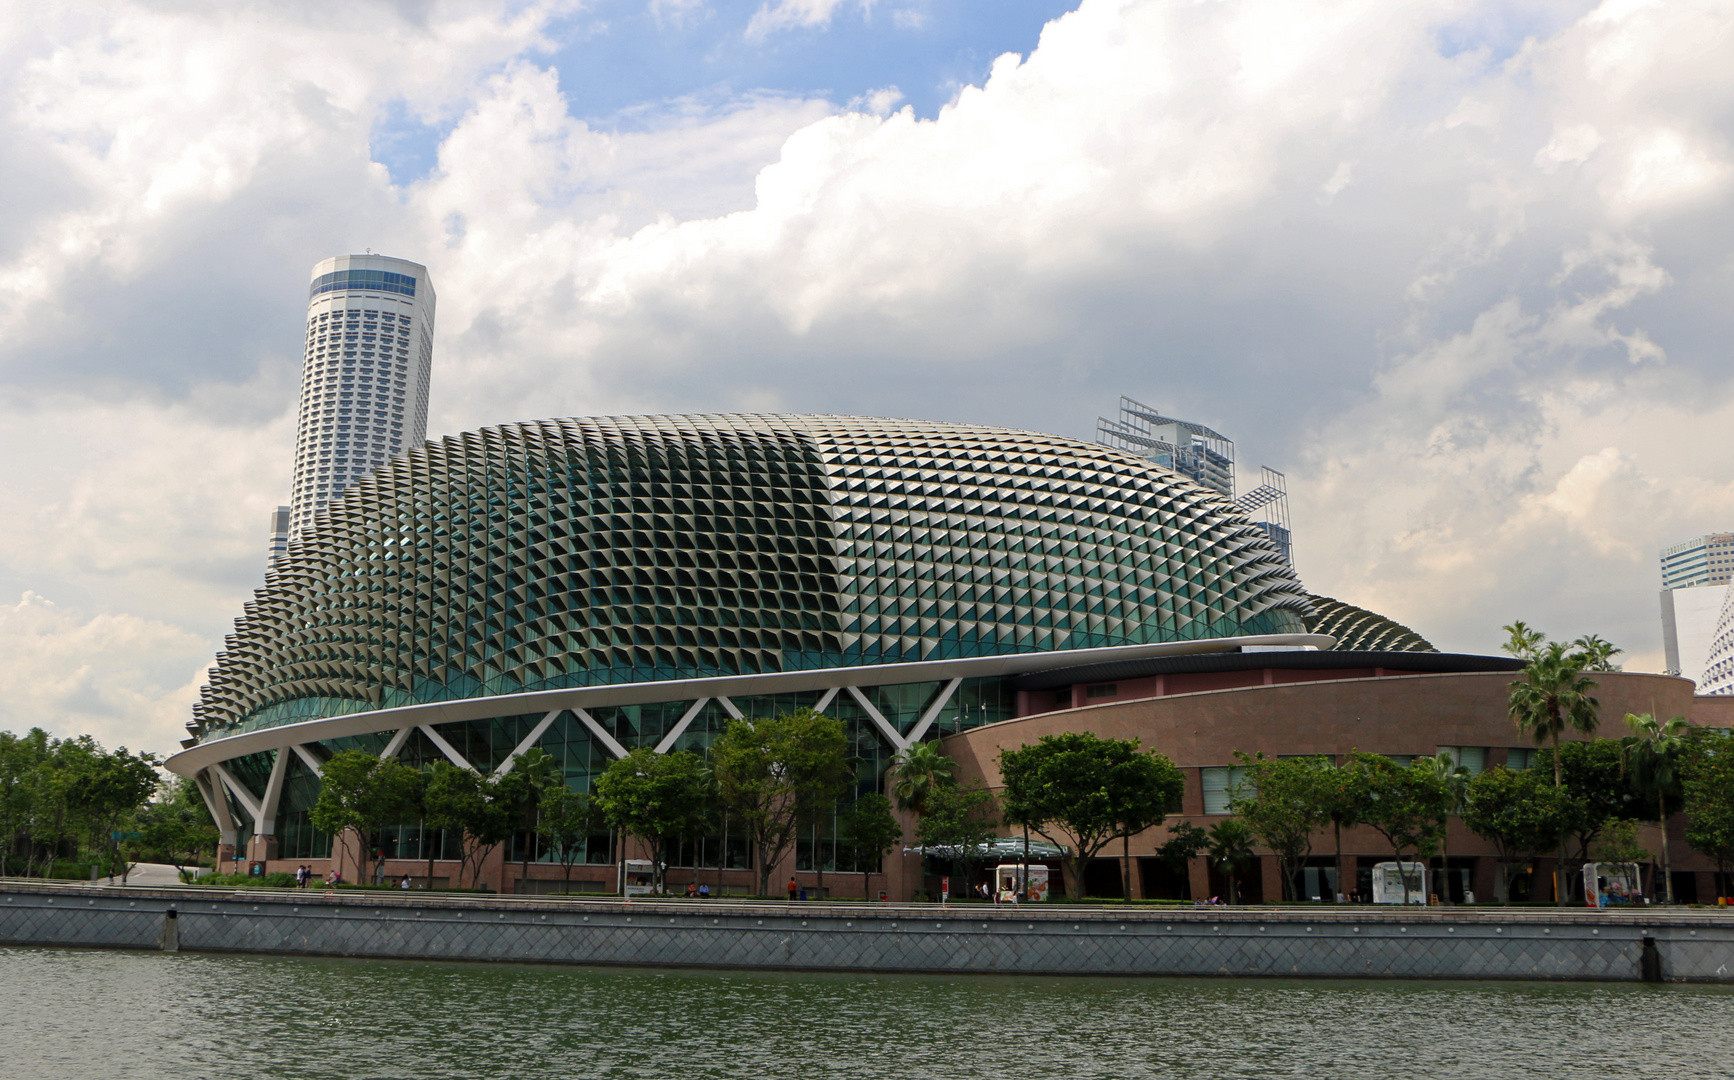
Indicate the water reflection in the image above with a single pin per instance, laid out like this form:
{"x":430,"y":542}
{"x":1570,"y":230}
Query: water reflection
{"x":73,"y":1014}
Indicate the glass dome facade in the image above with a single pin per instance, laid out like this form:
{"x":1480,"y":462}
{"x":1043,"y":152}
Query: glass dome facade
{"x":600,"y":551}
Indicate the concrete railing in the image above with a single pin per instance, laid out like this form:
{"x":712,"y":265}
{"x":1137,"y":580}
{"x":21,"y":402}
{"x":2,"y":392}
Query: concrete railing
{"x":1322,"y":942}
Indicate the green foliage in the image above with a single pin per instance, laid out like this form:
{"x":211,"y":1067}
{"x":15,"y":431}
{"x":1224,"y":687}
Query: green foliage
{"x":772,"y":773}
{"x":1229,"y":844}
{"x":960,"y":820}
{"x":1185,"y":842}
{"x":866,"y":830}
{"x":366,"y":793}
{"x":479,"y":808}
{"x":66,"y":797}
{"x":1553,"y":696}
{"x":1619,"y":844}
{"x":1284,"y":803}
{"x":1654,"y":754}
{"x":917,"y":772}
{"x":1522,"y":641}
{"x":1708,"y":781}
{"x":177,"y":827}
{"x":1520,"y":813}
{"x":1088,"y":790}
{"x":655,"y":797}
{"x":567,"y":819}
{"x":1597,"y":787}
{"x":1407,"y":806}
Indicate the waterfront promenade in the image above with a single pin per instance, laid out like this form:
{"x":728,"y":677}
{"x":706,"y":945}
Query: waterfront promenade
{"x":1324,"y":941}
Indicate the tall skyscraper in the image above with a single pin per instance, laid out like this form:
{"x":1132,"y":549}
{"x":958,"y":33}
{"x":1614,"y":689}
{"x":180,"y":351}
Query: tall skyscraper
{"x":279,"y":536}
{"x":364,"y":374}
{"x":1205,"y":456}
{"x":1695,"y":577}
{"x":1702,"y":560}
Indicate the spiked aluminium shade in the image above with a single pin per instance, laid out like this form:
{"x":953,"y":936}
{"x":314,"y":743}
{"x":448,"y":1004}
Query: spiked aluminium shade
{"x":599,"y":551}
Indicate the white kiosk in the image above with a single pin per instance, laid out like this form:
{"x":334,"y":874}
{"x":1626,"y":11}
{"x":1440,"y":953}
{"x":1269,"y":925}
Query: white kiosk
{"x":636,"y":877}
{"x":1605,"y":884}
{"x":1010,"y":878}
{"x":1405,"y":886}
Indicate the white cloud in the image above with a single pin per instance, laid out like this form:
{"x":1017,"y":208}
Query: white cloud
{"x":126,"y":680}
{"x":788,"y":14}
{"x":1474,"y":304}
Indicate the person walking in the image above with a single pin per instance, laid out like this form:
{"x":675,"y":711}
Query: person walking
{"x":794,"y":890}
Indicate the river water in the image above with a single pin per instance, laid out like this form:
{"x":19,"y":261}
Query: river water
{"x":82,"y":1015}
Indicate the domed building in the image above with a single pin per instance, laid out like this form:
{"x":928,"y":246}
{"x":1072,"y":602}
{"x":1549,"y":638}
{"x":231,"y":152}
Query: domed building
{"x":596,"y":585}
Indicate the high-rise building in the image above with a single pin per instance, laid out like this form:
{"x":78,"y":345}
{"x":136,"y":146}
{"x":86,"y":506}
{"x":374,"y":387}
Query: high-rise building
{"x":279,"y":536}
{"x":1689,"y":627}
{"x":1204,"y":455}
{"x":364,"y":374}
{"x":1702,"y":560}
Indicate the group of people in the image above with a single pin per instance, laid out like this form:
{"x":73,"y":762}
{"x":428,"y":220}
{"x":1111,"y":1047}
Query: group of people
{"x":304,"y":874}
{"x":695,"y":891}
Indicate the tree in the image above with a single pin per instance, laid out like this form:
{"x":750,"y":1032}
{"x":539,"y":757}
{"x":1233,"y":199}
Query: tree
{"x":1520,"y":813}
{"x":866,"y":831}
{"x":1598,"y":653}
{"x":1230,"y":848}
{"x":1553,"y":695}
{"x":1655,"y":754}
{"x":1185,"y":842}
{"x":1454,"y":780}
{"x":1597,"y":789}
{"x":960,"y":821}
{"x":655,"y":797}
{"x":567,"y":820}
{"x":1708,"y":782}
{"x":916,"y":772}
{"x":366,"y":793}
{"x":534,"y":774}
{"x":177,"y":827}
{"x":770,"y":772}
{"x":1619,"y":844}
{"x":1089,"y":790}
{"x":1407,"y":806}
{"x":1284,"y":803}
{"x":1523,"y":642}
{"x":1344,"y":805}
{"x":474,"y":806}
{"x":105,"y":788}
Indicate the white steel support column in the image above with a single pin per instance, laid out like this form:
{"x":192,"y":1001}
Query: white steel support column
{"x":601,"y":733}
{"x":239,"y":790}
{"x":530,"y":740}
{"x":897,"y":741}
{"x":933,"y":711}
{"x":265,"y":824}
{"x":679,"y":729}
{"x":447,"y":749}
{"x":395,"y":746}
{"x":309,"y":760}
{"x":208,"y":787}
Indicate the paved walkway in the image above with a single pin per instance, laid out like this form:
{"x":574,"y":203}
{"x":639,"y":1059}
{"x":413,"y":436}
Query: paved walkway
{"x":148,"y":873}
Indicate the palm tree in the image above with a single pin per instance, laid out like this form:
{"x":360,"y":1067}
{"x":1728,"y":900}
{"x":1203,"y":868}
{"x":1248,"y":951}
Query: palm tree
{"x":1523,"y":642}
{"x":917,"y":772}
{"x":1655,"y":754}
{"x":1552,"y":696}
{"x":1599,"y":652}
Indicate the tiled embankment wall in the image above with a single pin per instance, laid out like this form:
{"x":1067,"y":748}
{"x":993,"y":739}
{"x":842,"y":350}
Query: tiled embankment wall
{"x":1320,"y":942}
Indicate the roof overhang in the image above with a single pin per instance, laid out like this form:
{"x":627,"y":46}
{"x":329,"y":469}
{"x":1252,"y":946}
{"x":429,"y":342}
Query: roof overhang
{"x":189,"y":762}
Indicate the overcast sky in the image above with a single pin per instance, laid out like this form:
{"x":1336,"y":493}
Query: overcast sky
{"x":1464,"y":271}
